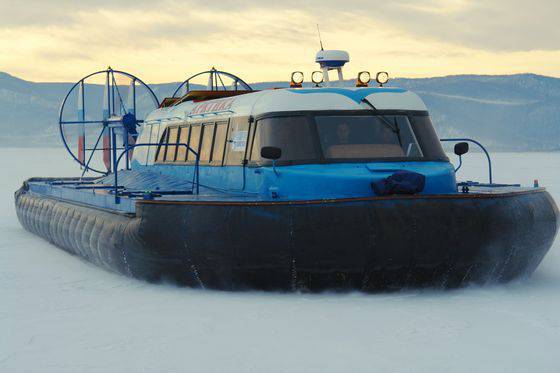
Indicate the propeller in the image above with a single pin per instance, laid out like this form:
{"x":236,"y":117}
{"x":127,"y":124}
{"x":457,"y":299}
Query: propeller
{"x":116,"y":117}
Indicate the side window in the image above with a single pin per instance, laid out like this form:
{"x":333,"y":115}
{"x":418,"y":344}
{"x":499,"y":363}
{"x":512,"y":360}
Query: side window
{"x":194,"y":141}
{"x":428,"y":138}
{"x":155,"y":137}
{"x":141,"y":153}
{"x":172,"y":149}
{"x":256,"y":147}
{"x":409,"y":143}
{"x":291,"y":134}
{"x":183,"y":139}
{"x":160,"y":156}
{"x":219,"y":143}
{"x":206,"y":144}
{"x":237,"y":140}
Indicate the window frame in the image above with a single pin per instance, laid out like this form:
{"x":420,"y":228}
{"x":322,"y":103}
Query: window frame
{"x":320,"y":158}
{"x":162,"y":146}
{"x":197,"y":149}
{"x":168,"y":144}
{"x":164,"y":138}
{"x":253,"y":134}
{"x":205,"y":125}
{"x":182,"y":128}
{"x":220,"y":162}
{"x":252,"y":128}
{"x":250,"y":122}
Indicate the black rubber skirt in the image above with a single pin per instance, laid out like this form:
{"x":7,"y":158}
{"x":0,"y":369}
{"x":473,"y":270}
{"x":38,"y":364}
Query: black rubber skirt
{"x":365,"y":244}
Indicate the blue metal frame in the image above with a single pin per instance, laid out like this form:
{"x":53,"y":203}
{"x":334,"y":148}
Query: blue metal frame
{"x":103,"y":122}
{"x":196,"y":175}
{"x":481,"y":147}
{"x":215,"y":74}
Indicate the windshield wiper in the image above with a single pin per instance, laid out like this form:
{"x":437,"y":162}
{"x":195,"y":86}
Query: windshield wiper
{"x":386,"y":121}
{"x":397,"y":128}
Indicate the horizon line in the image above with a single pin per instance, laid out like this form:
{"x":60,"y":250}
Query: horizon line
{"x":287,"y":80}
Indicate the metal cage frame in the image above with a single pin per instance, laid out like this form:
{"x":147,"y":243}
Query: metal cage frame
{"x":112,"y":85}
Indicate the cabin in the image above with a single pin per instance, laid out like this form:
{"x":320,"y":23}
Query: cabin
{"x":329,"y":140}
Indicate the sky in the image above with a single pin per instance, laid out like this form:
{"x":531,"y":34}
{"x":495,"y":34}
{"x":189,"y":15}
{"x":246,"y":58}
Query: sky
{"x":262,"y":40}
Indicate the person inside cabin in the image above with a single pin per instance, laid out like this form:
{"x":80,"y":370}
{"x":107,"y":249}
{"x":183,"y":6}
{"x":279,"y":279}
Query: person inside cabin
{"x":346,"y":134}
{"x":343,"y":133}
{"x":360,"y":138}
{"x":337,"y":134}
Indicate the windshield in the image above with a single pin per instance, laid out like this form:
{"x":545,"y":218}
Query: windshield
{"x":376,"y":136}
{"x":321,"y":137}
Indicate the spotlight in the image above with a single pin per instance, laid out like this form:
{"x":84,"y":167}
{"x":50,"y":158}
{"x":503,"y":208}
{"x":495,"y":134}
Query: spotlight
{"x":297,"y":79}
{"x":382,"y":77}
{"x":363,"y":79}
{"x":317,"y":77}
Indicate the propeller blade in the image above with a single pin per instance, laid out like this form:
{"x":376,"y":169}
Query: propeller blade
{"x":130,"y":109}
{"x":131,"y":98}
{"x":106,"y":115}
{"x":107,"y":99}
{"x":81,"y":117}
{"x":210,"y":85}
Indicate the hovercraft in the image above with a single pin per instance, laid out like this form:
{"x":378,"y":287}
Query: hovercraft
{"x":300,"y":188}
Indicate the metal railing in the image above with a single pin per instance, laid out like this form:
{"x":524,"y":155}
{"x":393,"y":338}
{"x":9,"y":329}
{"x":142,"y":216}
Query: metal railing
{"x":196,"y":176}
{"x":481,"y":147}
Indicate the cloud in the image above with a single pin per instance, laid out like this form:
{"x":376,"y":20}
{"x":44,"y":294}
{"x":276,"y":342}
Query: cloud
{"x":502,"y":25}
{"x":497,"y":25}
{"x":66,"y":37}
{"x":512,"y":25}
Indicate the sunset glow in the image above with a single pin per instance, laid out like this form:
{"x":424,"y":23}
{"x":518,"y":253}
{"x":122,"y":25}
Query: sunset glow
{"x":261,"y":40}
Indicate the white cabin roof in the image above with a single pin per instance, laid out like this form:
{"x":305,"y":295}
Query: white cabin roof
{"x":292,"y":99}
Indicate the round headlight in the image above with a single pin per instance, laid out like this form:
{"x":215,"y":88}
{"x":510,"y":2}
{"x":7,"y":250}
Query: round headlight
{"x":382,"y":78}
{"x":364,"y":77}
{"x":297,"y":77}
{"x":317,"y":77}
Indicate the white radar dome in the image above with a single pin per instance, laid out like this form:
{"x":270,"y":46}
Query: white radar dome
{"x":332,"y":59}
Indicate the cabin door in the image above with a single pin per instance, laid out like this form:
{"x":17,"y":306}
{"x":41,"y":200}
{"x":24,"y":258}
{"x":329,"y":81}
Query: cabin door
{"x":236,"y":152}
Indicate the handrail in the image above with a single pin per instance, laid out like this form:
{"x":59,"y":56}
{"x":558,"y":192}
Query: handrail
{"x":481,"y":147}
{"x":196,"y":175}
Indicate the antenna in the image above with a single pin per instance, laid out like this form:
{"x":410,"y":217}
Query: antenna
{"x":319,"y":32}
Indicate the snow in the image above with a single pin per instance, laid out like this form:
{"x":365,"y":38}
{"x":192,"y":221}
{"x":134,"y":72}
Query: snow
{"x":61,"y":314}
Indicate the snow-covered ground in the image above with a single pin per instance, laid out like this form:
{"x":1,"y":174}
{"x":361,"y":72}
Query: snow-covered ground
{"x":61,"y":314}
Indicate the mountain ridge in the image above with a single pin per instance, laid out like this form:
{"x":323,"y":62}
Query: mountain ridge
{"x":517,"y":112}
